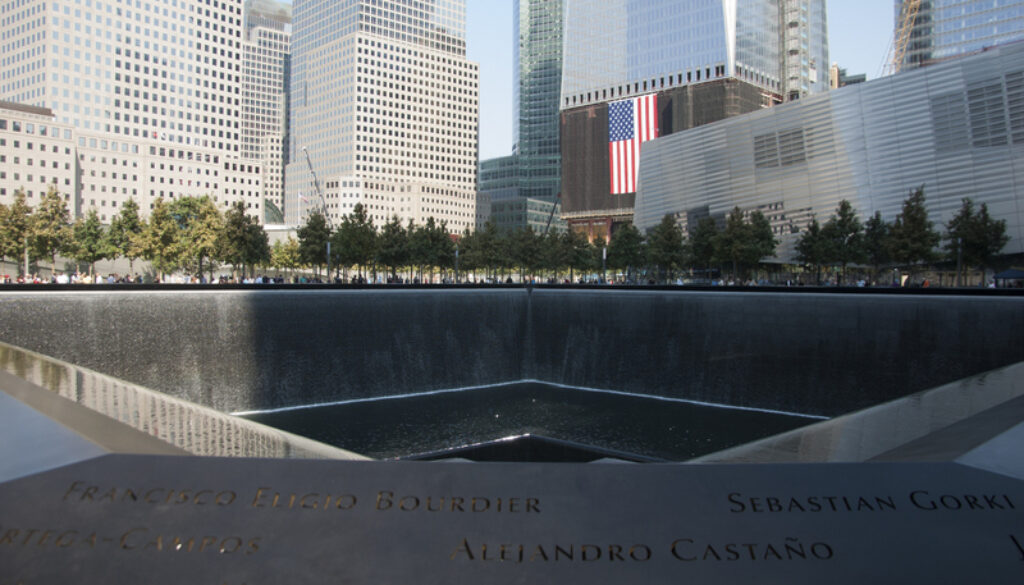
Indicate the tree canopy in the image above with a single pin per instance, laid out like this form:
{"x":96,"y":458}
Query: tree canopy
{"x":912,"y":239}
{"x":973,"y":238}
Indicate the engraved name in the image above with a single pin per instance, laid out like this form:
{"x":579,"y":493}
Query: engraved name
{"x":542,"y":553}
{"x":388,"y":500}
{"x":79,"y":491}
{"x":791,"y":549}
{"x":917,"y":499}
{"x":134,"y":539}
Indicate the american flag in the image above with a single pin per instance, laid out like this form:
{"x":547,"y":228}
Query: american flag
{"x":630,"y":123}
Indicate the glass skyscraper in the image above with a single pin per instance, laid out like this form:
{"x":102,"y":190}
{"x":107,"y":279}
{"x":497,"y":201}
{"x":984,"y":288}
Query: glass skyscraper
{"x":622,"y":48}
{"x":947,"y":28}
{"x":530,"y":178}
{"x":538,"y":55}
{"x":383,"y":109}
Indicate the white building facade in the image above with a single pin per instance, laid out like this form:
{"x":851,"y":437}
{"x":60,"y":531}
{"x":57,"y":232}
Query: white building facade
{"x":383,"y":109}
{"x":151,"y":90}
{"x":36,"y":152}
{"x":264,"y":102}
{"x":956,"y":127}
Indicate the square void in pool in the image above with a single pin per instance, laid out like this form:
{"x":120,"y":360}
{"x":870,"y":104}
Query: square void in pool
{"x":530,"y":422}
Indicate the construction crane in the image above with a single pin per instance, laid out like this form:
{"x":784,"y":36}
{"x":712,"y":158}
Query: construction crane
{"x":897,"y":52}
{"x":554,"y":206}
{"x":323,"y":204}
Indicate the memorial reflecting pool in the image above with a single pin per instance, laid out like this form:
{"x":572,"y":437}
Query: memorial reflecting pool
{"x":650,"y":428}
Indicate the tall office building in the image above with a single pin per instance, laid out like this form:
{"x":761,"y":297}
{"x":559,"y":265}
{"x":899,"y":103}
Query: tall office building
{"x":151,"y":91}
{"x":531,"y":176}
{"x":947,"y":28}
{"x":264,"y":97}
{"x":804,"y":48}
{"x":538,"y":58}
{"x":690,"y":62}
{"x":383,"y":112}
{"x":622,"y":48}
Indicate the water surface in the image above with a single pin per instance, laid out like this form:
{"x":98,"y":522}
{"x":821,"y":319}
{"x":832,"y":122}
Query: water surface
{"x":390,"y":428}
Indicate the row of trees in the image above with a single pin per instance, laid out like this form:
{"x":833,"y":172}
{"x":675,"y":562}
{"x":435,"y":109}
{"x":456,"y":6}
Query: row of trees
{"x":187,"y":234}
{"x":972,"y":238}
{"x":190,"y":234}
{"x":494,"y":254}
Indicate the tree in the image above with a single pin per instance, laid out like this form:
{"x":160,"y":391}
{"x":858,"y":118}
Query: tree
{"x":442,"y":246}
{"x":912,"y":237}
{"x":430,"y":245}
{"x":525,"y":251}
{"x":581,"y":253}
{"x":242,"y":241}
{"x":90,"y":242}
{"x":355,"y":240}
{"x":556,"y":252}
{"x":470,"y":253}
{"x":812,"y":248}
{"x":702,"y":243}
{"x":393,"y":249}
{"x":876,"y":242}
{"x":285,"y":254}
{"x":159,"y":239}
{"x":493,"y":248}
{"x":744,"y":243}
{"x":957,"y":230}
{"x":124,"y":234}
{"x":51,"y":227}
{"x":845,"y":237}
{"x":987,"y":239}
{"x":626,"y":250}
{"x":15,"y":229}
{"x":762,"y":240}
{"x":200,"y":225}
{"x":313,"y":238}
{"x":974,"y":238}
{"x":665,"y":247}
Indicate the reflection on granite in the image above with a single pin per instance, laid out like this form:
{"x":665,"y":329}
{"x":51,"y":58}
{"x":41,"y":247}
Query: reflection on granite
{"x":191,"y":427}
{"x":887,"y":428}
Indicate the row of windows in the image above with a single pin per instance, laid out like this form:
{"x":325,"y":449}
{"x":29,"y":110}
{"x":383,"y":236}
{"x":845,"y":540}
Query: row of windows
{"x":34,"y":128}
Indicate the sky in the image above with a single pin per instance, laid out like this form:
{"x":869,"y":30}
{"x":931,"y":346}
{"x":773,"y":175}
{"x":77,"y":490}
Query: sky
{"x":859,"y":35}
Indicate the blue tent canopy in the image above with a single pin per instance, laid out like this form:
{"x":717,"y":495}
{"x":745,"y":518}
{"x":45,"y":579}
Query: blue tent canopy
{"x":1011,"y":274}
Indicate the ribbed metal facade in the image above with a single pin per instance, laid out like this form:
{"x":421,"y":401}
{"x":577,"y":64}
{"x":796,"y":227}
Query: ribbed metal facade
{"x":957,"y":128}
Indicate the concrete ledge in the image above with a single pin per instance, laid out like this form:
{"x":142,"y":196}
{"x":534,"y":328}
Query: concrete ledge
{"x":941,"y":424}
{"x":78,"y":410}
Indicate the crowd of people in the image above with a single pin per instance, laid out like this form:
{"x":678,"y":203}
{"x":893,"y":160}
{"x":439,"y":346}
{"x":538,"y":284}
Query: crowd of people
{"x":71,"y":278}
{"x":114,"y":278}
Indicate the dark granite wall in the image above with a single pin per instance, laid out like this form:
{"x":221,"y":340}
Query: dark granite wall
{"x":243,"y":350}
{"x":811,"y":353}
{"x":239,"y":350}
